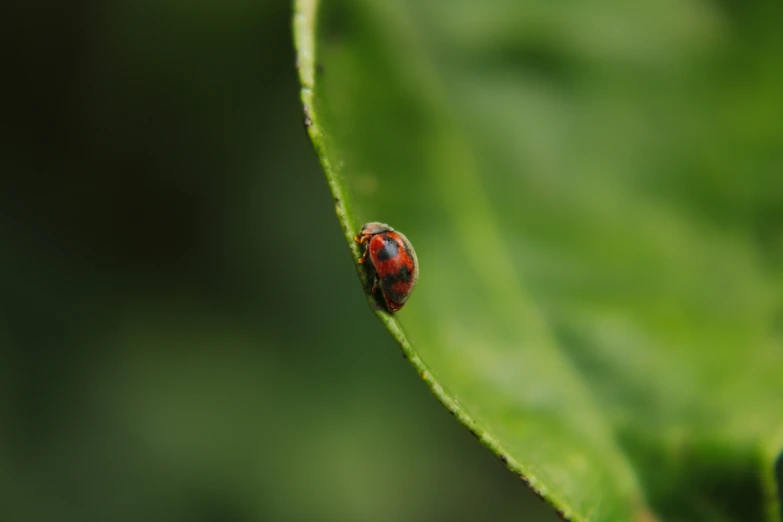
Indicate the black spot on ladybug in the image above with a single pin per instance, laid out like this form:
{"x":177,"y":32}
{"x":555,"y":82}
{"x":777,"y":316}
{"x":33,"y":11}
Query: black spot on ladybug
{"x":389,"y":250}
{"x":387,"y":283}
{"x":404,"y":274}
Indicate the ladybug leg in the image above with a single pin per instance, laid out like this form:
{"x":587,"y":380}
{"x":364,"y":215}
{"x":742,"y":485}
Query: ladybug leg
{"x":361,"y":240}
{"x":374,"y":284}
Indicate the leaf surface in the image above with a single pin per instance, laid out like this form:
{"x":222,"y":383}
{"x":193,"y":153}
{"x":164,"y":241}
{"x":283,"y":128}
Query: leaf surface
{"x":597,"y":208}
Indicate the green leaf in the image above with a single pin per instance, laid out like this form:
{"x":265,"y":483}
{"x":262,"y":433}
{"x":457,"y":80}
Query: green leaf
{"x":595,"y":198}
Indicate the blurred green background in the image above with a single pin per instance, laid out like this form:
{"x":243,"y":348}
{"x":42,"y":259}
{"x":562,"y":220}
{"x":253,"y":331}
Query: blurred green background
{"x":183,"y":335}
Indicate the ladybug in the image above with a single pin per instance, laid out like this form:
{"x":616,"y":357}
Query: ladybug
{"x":393,"y":260}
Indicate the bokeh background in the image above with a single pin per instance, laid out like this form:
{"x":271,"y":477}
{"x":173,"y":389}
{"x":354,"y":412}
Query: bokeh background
{"x":182,"y":334}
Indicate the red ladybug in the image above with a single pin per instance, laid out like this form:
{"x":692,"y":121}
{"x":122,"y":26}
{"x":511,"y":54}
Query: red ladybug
{"x":393,"y":260}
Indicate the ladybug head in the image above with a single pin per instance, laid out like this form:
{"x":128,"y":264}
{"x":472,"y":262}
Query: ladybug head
{"x":374,"y":227}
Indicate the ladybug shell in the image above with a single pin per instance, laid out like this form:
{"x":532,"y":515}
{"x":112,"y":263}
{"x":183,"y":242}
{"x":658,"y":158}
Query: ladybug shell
{"x":395,"y":265}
